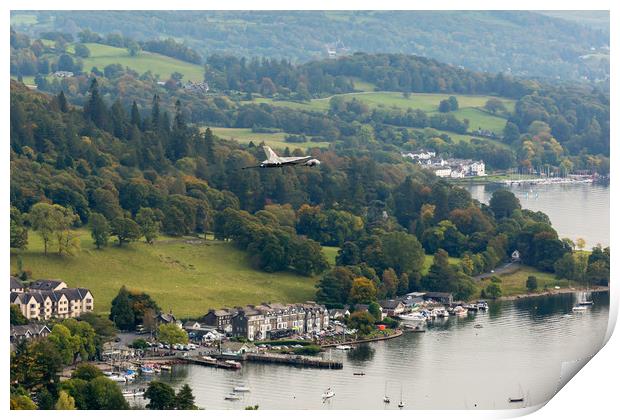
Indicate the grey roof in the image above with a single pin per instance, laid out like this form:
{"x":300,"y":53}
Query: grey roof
{"x":167,"y":317}
{"x":45,"y":284}
{"x":15,"y":283}
{"x":438,"y":295}
{"x":32,"y":329}
{"x":390,"y":304}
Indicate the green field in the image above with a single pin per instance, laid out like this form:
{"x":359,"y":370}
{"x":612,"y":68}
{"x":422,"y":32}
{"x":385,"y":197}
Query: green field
{"x":470,"y":106}
{"x":514,"y":283}
{"x":187,"y":277}
{"x":23,"y":19}
{"x":103,"y":55}
{"x":275,"y":140}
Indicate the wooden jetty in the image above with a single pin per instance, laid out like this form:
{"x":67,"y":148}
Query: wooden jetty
{"x":213,"y":363}
{"x":302,"y":361}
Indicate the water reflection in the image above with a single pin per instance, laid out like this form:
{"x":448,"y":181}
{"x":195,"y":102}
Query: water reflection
{"x":361,"y":353}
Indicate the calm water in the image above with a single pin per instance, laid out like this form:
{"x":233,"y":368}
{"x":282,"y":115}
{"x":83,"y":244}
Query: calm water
{"x":517,"y":352}
{"x":575,"y":210}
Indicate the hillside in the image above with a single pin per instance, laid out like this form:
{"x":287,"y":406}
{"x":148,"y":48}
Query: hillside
{"x":103,"y":55}
{"x":186,"y":275}
{"x":518,"y":42}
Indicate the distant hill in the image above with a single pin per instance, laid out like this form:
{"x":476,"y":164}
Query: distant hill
{"x":522,"y":43}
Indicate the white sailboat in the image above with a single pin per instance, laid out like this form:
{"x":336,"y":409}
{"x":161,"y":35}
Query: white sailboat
{"x":401,"y":404}
{"x":327,"y":394}
{"x":386,"y":399}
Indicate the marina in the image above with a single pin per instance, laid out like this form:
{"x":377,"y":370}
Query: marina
{"x":524,"y":340}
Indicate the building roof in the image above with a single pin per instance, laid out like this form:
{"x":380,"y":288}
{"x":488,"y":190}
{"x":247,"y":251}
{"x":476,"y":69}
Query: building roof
{"x":390,"y":304}
{"x":15,"y":283}
{"x":438,"y":295}
{"x":169,"y":318}
{"x":236,"y":346}
{"x":28,"y":329}
{"x":45,"y":284}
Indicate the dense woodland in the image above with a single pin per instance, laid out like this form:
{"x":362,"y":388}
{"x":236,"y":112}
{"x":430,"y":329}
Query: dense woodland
{"x":130,"y":174}
{"x":525,"y":43}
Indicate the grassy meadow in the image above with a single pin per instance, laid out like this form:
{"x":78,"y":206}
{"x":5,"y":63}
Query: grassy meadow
{"x":103,"y":55}
{"x":182,"y":274}
{"x":275,"y":140}
{"x":470,"y":106}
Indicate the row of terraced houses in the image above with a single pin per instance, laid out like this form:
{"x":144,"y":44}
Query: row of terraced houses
{"x":45,"y":299}
{"x":269,"y":320}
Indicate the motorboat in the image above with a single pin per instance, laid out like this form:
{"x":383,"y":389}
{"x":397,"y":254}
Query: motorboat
{"x":414,"y":317}
{"x":460,"y":311}
{"x":441,"y":313}
{"x":344,"y":347}
{"x":147,"y":370}
{"x":133,"y":393}
{"x":166,"y":367}
{"x":241,"y":388}
{"x":386,"y":399}
{"x":482,"y":305}
{"x":232,"y":397}
{"x":580,"y":309}
{"x":233,"y":364}
{"x":118,"y":378}
{"x":515,"y":399}
{"x":359,"y":373}
{"x":327,"y":394}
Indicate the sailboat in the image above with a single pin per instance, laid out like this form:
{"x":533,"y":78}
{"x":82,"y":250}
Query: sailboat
{"x":386,"y":399}
{"x":401,"y":404}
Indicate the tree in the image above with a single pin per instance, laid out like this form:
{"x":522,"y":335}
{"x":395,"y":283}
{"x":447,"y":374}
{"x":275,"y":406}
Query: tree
{"x":363,"y":290}
{"x":66,"y":344}
{"x":389,"y":282}
{"x":95,"y":109}
{"x":403,"y":252}
{"x":121,"y":312}
{"x":22,"y":402}
{"x":17,"y":318}
{"x":334,"y":287}
{"x":65,"y":401}
{"x":125,"y":229}
{"x":493,"y":291}
{"x":454,"y":103}
{"x":494,"y":105}
{"x":104,"y":394}
{"x":43,"y":218}
{"x":580,"y":243}
{"x":86,"y":372}
{"x":565,"y":267}
{"x":172,"y":334}
{"x":161,"y":396}
{"x":375,"y":310}
{"x":99,"y":230}
{"x":63,"y":105}
{"x":362,"y":320}
{"x":82,"y":50}
{"x":184,"y":399}
{"x":441,"y":276}
{"x":531,"y":283}
{"x":149,"y":224}
{"x":19,"y":232}
{"x":444,"y":105}
{"x":503,"y":203}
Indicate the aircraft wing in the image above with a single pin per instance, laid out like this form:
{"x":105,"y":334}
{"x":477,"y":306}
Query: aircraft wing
{"x":294,"y":159}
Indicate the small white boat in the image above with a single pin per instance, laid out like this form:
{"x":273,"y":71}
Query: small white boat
{"x":232,"y":397}
{"x":241,"y":388}
{"x":482,"y":305}
{"x":460,"y":311}
{"x":166,"y":367}
{"x":441,"y":313}
{"x":344,"y":347}
{"x":580,"y":309}
{"x":328,"y":394}
{"x":118,"y":378}
{"x":233,"y":364}
{"x":134,"y":393}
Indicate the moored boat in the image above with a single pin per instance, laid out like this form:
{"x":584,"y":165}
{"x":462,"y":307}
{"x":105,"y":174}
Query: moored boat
{"x":232,"y":397}
{"x":241,"y":388}
{"x":328,"y":394}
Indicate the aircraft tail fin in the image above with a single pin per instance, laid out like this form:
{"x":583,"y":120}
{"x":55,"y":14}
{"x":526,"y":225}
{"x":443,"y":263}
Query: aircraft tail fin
{"x":271,"y":155}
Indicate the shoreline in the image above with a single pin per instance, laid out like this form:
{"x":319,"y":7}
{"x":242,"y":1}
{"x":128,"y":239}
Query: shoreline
{"x":397,"y":333}
{"x":561,"y":291}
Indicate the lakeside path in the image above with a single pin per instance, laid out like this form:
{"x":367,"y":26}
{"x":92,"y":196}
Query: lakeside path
{"x":550,"y":292}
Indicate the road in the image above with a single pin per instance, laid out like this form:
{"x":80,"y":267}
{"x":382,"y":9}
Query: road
{"x":507,"y":268}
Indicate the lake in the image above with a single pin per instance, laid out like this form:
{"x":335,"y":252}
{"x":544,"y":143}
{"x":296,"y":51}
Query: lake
{"x":517,"y":351}
{"x":575,"y":210}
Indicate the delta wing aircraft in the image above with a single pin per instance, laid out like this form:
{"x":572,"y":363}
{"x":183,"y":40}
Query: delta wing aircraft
{"x":275,"y":161}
